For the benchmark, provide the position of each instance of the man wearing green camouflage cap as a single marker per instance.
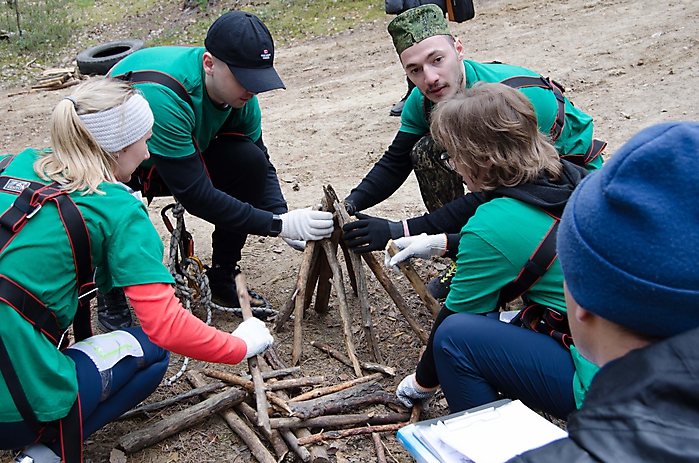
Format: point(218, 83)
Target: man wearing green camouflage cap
point(434, 61)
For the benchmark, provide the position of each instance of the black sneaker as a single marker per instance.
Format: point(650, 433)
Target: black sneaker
point(224, 292)
point(113, 312)
point(439, 286)
point(397, 109)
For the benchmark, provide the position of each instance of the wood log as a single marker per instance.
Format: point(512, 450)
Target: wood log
point(341, 401)
point(349, 262)
point(274, 437)
point(342, 300)
point(253, 362)
point(250, 386)
point(378, 445)
point(320, 437)
point(394, 294)
point(415, 281)
point(312, 394)
point(141, 438)
point(146, 409)
point(300, 299)
point(238, 425)
point(333, 421)
point(307, 411)
point(390, 371)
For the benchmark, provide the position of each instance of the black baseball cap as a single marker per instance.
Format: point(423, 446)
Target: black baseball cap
point(244, 43)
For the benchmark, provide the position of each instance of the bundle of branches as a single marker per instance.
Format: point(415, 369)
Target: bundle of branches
point(57, 78)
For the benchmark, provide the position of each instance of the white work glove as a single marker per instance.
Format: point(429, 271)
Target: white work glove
point(299, 245)
point(409, 390)
point(256, 336)
point(423, 246)
point(307, 224)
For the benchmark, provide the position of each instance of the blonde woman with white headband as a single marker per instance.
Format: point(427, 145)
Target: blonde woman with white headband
point(52, 397)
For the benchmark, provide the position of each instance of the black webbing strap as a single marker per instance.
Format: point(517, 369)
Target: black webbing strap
point(29, 201)
point(148, 178)
point(542, 319)
point(517, 82)
point(69, 429)
point(594, 150)
point(18, 395)
point(534, 269)
point(5, 161)
point(157, 77)
point(30, 308)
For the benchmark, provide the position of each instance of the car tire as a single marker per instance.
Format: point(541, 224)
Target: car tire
point(99, 59)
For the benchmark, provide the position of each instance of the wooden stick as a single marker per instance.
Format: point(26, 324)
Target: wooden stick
point(320, 437)
point(293, 442)
point(141, 438)
point(238, 425)
point(330, 421)
point(300, 299)
point(270, 386)
point(344, 359)
point(323, 291)
point(415, 413)
point(253, 365)
point(272, 357)
point(285, 311)
point(416, 281)
point(393, 292)
point(274, 437)
point(146, 409)
point(274, 373)
point(250, 386)
point(319, 454)
point(378, 445)
point(342, 300)
point(361, 290)
point(313, 274)
point(337, 387)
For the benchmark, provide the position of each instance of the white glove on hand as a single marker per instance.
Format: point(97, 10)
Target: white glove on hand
point(423, 246)
point(409, 390)
point(307, 224)
point(256, 336)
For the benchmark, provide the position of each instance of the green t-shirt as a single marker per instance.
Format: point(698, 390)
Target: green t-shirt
point(127, 251)
point(577, 133)
point(494, 246)
point(175, 122)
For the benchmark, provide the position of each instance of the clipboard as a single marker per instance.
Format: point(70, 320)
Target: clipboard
point(458, 437)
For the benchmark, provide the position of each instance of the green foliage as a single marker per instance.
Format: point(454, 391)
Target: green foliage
point(36, 27)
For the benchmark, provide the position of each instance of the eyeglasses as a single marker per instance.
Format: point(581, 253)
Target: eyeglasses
point(449, 163)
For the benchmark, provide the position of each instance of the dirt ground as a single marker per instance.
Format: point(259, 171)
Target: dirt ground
point(629, 64)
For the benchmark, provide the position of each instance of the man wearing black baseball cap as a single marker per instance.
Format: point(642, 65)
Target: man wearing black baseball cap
point(207, 149)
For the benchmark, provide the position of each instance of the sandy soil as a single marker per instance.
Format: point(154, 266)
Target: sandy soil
point(629, 64)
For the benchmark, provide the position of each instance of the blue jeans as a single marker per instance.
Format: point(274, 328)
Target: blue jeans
point(131, 384)
point(477, 357)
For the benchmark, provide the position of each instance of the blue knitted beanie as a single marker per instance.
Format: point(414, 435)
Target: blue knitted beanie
point(628, 241)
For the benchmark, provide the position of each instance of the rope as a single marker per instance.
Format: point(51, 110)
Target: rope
point(191, 283)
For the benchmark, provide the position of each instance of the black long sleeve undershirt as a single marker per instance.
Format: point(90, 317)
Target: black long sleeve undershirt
point(188, 182)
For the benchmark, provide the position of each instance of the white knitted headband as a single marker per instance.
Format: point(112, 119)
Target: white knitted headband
point(121, 126)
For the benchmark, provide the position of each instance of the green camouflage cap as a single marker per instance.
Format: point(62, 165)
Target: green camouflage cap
point(417, 24)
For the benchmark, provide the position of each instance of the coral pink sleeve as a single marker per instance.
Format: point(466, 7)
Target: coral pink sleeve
point(171, 327)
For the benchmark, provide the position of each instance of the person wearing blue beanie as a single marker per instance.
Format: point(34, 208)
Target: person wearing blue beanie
point(633, 230)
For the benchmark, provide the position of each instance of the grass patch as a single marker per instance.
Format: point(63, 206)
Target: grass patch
point(51, 28)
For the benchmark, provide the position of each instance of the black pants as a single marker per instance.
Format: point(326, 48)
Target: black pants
point(235, 166)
